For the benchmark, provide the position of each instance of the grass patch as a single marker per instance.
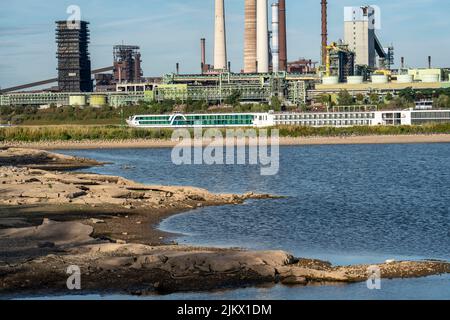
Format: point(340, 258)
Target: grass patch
point(110, 133)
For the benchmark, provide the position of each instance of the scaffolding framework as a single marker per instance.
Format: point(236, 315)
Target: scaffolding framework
point(74, 64)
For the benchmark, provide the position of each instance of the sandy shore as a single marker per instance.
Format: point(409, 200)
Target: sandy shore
point(284, 141)
point(106, 226)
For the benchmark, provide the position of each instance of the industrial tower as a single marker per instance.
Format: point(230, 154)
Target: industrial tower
point(74, 64)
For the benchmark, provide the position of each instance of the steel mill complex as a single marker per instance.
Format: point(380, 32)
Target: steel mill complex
point(358, 64)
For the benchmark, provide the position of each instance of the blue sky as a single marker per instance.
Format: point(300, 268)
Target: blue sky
point(168, 31)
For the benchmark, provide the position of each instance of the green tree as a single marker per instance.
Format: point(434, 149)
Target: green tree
point(374, 98)
point(408, 94)
point(276, 104)
point(360, 98)
point(324, 99)
point(234, 98)
point(442, 102)
point(344, 98)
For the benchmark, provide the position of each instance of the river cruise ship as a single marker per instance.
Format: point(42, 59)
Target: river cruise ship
point(309, 119)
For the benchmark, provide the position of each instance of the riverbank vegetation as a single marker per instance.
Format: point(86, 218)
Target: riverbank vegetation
point(113, 133)
point(107, 115)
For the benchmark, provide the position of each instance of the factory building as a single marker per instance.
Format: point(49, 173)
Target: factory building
point(74, 64)
point(252, 88)
point(429, 75)
point(303, 66)
point(212, 88)
point(359, 34)
point(126, 69)
point(340, 62)
point(127, 64)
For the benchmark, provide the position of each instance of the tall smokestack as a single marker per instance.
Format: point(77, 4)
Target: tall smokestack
point(220, 42)
point(429, 62)
point(324, 31)
point(275, 40)
point(250, 37)
point(203, 54)
point(282, 34)
point(262, 36)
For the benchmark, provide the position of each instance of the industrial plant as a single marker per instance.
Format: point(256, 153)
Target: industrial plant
point(358, 63)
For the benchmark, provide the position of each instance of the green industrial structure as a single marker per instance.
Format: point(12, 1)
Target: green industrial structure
point(291, 89)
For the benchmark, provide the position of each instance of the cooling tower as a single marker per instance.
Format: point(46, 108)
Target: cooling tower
point(220, 44)
point(262, 44)
point(250, 37)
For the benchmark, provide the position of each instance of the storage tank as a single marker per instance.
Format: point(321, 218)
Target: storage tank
point(330, 80)
point(429, 78)
point(355, 79)
point(77, 101)
point(404, 78)
point(97, 101)
point(379, 78)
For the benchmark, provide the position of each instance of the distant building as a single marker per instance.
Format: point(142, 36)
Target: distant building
point(340, 61)
point(127, 64)
point(428, 75)
point(126, 69)
point(360, 36)
point(302, 66)
point(74, 64)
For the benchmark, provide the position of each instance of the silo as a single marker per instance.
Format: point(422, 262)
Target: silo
point(330, 80)
point(262, 36)
point(355, 79)
point(97, 100)
point(379, 79)
point(77, 101)
point(430, 78)
point(404, 78)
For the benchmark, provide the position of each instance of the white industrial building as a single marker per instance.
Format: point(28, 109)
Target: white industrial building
point(359, 34)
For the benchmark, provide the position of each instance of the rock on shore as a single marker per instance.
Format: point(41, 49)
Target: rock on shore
point(141, 269)
point(39, 159)
point(24, 186)
point(52, 220)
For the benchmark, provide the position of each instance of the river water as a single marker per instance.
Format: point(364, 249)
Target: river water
point(345, 204)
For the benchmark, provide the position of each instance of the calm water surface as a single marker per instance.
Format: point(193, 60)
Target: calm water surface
point(345, 204)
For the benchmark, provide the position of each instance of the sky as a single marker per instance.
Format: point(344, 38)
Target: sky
point(169, 31)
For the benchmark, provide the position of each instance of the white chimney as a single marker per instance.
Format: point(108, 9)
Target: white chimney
point(220, 44)
point(275, 39)
point(262, 36)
